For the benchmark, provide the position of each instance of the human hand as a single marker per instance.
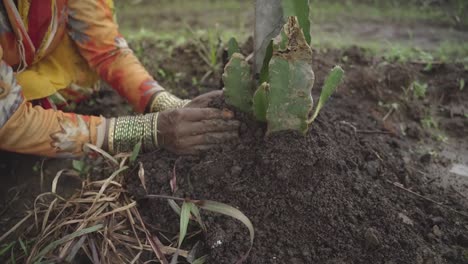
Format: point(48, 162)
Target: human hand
point(204, 100)
point(189, 131)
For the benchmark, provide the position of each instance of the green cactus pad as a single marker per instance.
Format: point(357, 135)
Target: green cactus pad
point(260, 102)
point(238, 83)
point(233, 47)
point(289, 99)
point(291, 79)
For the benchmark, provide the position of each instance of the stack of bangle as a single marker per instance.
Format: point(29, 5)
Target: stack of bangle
point(125, 132)
point(165, 100)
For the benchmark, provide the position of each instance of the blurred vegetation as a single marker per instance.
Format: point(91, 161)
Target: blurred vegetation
point(335, 24)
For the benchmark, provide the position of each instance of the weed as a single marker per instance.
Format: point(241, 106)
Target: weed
point(461, 84)
point(419, 89)
point(428, 122)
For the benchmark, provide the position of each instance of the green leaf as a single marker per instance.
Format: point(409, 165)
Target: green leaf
point(200, 260)
point(233, 47)
point(78, 165)
point(260, 102)
point(5, 248)
point(238, 83)
point(300, 9)
point(174, 206)
point(266, 62)
point(196, 213)
point(234, 213)
point(331, 83)
point(135, 152)
point(23, 246)
point(66, 238)
point(184, 220)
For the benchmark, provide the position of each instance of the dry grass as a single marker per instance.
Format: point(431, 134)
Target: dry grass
point(100, 221)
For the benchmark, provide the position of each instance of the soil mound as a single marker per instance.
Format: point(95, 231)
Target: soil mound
point(327, 197)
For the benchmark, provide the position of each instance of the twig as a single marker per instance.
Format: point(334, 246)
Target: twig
point(364, 131)
point(400, 186)
point(390, 112)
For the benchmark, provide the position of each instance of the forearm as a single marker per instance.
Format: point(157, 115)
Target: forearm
point(34, 130)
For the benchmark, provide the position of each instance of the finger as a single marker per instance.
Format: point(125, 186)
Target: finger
point(198, 114)
point(207, 139)
point(213, 94)
point(208, 126)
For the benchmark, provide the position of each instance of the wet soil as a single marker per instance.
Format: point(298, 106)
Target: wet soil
point(347, 192)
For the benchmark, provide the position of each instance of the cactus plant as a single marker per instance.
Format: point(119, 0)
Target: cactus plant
point(283, 99)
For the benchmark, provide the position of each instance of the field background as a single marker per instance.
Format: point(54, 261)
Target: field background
point(395, 29)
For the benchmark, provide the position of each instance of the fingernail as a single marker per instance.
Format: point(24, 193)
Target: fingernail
point(228, 114)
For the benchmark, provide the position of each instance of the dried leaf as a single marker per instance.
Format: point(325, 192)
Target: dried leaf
point(141, 175)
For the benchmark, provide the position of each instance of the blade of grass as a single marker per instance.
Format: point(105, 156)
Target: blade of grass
point(196, 213)
point(6, 248)
point(156, 248)
point(135, 152)
point(75, 248)
point(184, 220)
point(66, 238)
point(23, 246)
point(200, 260)
point(174, 206)
point(103, 153)
point(13, 229)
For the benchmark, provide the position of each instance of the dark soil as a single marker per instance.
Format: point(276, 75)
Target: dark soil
point(335, 195)
point(328, 197)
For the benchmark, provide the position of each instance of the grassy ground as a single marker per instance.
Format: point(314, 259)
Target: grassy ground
point(397, 30)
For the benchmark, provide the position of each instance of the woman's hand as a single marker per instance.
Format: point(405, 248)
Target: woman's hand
point(192, 130)
point(203, 101)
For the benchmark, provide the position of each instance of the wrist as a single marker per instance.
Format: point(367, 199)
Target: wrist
point(123, 133)
point(165, 101)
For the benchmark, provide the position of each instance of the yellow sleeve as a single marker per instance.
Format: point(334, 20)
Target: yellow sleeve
point(92, 27)
point(34, 130)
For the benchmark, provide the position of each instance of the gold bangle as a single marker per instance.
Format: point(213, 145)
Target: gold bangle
point(129, 130)
point(110, 136)
point(165, 100)
point(155, 130)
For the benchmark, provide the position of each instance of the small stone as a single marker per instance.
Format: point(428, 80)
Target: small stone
point(405, 219)
point(236, 171)
point(436, 231)
point(372, 238)
point(437, 220)
point(372, 168)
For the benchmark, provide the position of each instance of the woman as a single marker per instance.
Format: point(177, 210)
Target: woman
point(54, 51)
